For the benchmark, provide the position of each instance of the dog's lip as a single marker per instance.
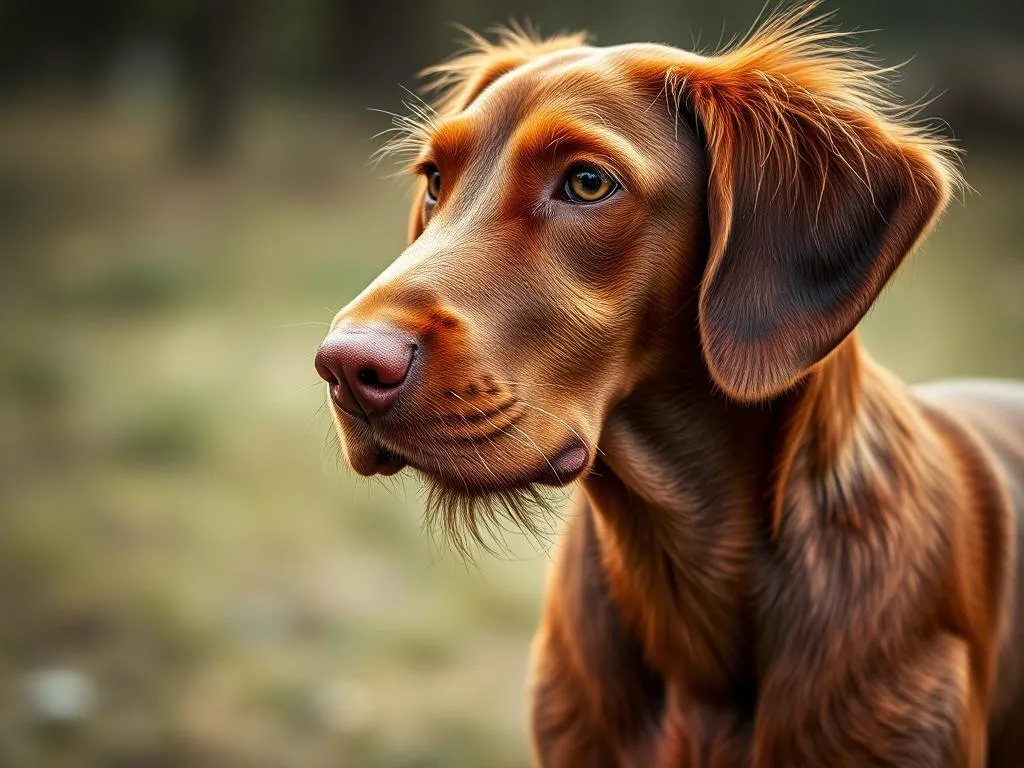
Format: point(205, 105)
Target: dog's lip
point(375, 460)
point(377, 452)
point(564, 467)
point(389, 463)
point(368, 457)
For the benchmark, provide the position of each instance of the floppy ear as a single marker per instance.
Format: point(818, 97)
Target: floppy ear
point(816, 194)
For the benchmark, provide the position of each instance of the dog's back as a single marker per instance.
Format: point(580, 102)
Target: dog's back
point(994, 410)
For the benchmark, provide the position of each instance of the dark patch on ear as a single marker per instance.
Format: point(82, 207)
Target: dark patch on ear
point(799, 267)
point(827, 261)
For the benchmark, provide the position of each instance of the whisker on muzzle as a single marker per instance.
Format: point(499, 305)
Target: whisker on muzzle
point(475, 518)
point(517, 429)
point(541, 452)
point(561, 421)
point(532, 384)
point(484, 414)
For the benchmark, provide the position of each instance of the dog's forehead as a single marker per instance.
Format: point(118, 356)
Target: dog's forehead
point(582, 77)
point(602, 98)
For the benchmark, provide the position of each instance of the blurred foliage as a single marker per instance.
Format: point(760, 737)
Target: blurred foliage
point(216, 55)
point(176, 530)
point(187, 577)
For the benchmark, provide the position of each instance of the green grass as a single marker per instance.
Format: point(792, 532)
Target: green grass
point(175, 524)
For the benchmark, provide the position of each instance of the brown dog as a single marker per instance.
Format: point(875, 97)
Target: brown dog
point(640, 268)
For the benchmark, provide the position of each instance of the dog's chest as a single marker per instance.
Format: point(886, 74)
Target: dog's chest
point(702, 734)
point(690, 616)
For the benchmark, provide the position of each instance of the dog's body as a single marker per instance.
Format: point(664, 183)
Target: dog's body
point(642, 268)
point(729, 646)
point(994, 411)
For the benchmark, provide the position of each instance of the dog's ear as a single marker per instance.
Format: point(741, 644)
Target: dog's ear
point(817, 191)
point(457, 82)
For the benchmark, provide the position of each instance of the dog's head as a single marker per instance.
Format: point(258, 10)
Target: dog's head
point(582, 211)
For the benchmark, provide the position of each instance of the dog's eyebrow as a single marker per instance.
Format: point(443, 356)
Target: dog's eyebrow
point(448, 143)
point(585, 134)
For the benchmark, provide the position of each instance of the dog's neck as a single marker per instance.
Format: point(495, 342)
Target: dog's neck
point(688, 493)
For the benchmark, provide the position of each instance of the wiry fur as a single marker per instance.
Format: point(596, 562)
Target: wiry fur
point(451, 84)
point(789, 80)
point(457, 81)
point(807, 96)
point(468, 521)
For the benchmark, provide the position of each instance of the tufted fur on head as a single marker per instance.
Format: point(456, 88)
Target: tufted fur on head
point(820, 183)
point(455, 83)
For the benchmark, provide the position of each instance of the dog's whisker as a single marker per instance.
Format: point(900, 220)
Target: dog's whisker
point(479, 455)
point(301, 323)
point(534, 384)
point(465, 513)
point(524, 525)
point(476, 516)
point(319, 410)
point(296, 391)
point(330, 442)
point(562, 421)
point(543, 456)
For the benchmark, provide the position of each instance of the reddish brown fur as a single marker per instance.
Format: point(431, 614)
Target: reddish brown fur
point(780, 555)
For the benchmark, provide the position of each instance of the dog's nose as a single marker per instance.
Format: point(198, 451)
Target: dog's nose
point(365, 366)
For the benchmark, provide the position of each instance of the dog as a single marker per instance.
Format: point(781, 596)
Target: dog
point(639, 270)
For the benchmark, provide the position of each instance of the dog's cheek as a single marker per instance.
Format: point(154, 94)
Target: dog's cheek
point(596, 248)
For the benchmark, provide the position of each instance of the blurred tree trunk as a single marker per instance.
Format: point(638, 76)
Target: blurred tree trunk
point(214, 46)
point(380, 46)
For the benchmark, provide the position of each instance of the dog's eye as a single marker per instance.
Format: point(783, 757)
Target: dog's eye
point(433, 184)
point(588, 184)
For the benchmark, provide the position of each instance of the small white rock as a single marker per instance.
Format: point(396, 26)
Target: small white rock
point(60, 695)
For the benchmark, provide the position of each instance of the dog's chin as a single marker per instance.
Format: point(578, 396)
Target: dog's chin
point(472, 474)
point(480, 520)
point(470, 515)
point(470, 504)
point(476, 479)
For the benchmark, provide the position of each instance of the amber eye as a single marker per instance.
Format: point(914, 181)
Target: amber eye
point(433, 184)
point(588, 184)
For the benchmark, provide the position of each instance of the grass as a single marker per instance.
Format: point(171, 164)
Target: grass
point(176, 527)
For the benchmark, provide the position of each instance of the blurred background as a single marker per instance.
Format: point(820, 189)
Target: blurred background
point(187, 575)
